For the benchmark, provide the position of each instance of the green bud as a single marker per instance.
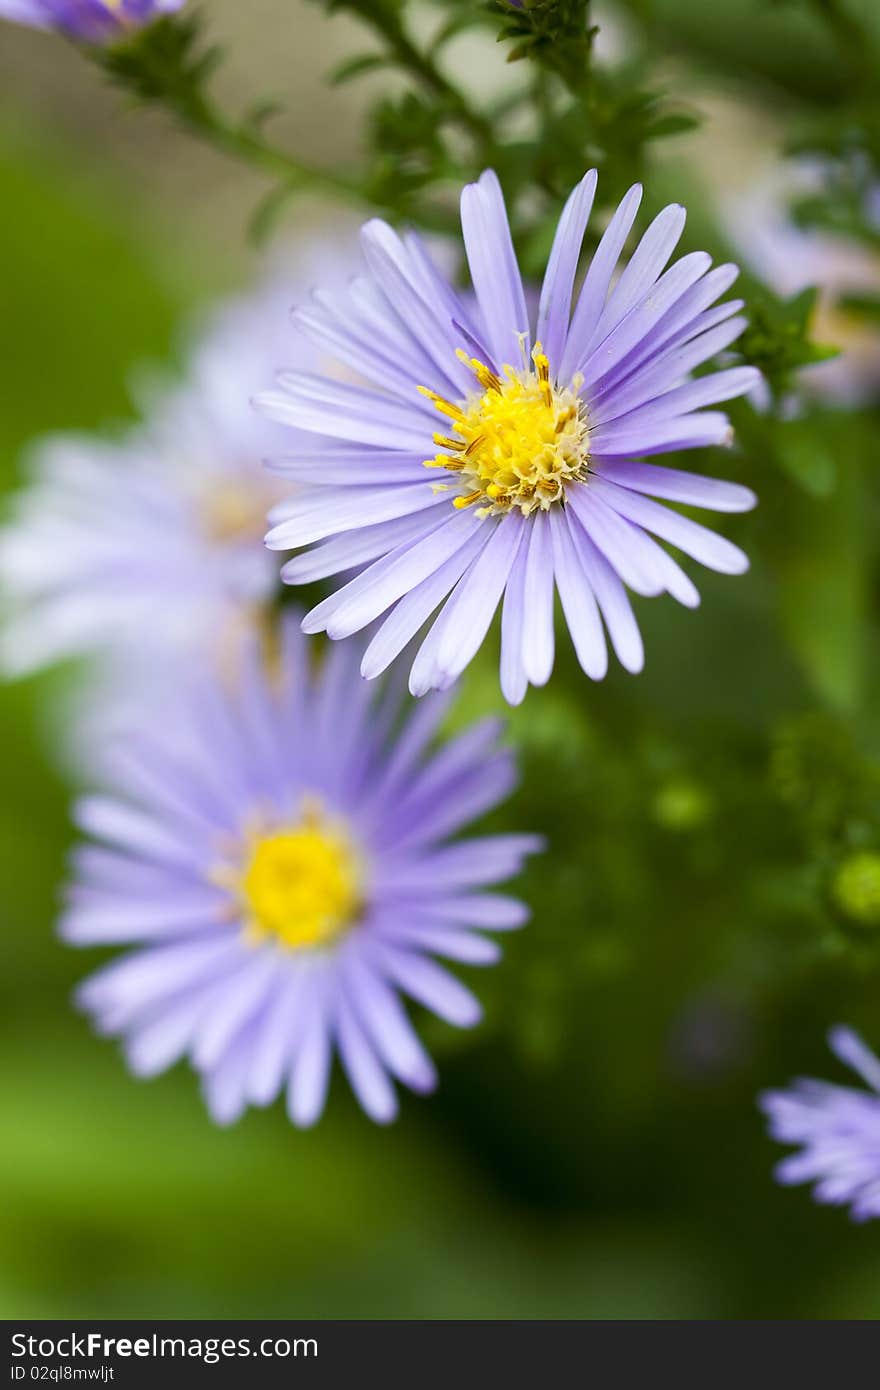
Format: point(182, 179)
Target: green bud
point(856, 888)
point(681, 805)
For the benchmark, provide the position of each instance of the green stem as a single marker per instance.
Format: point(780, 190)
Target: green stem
point(422, 67)
point(182, 92)
point(289, 171)
point(166, 67)
point(205, 120)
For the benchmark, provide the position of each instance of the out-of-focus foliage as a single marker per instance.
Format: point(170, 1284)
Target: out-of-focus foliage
point(711, 898)
point(431, 130)
point(778, 341)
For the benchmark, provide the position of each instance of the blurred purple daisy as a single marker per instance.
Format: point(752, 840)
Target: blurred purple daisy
point(838, 1128)
point(790, 258)
point(282, 858)
point(532, 482)
point(154, 542)
point(92, 21)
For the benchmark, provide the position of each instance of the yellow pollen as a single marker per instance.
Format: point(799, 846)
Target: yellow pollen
point(519, 443)
point(301, 885)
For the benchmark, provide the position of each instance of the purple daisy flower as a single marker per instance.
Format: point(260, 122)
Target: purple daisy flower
point(838, 1128)
point(532, 484)
point(283, 861)
point(154, 542)
point(92, 21)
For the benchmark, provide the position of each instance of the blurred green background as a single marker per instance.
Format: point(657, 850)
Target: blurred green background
point(595, 1149)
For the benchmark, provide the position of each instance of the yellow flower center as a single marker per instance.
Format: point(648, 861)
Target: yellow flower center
point(301, 885)
point(518, 443)
point(232, 512)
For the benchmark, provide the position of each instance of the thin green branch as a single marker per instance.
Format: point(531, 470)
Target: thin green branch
point(385, 21)
point(162, 66)
point(246, 144)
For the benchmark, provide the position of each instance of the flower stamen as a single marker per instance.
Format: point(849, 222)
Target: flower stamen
point(485, 376)
point(300, 884)
point(443, 405)
point(518, 443)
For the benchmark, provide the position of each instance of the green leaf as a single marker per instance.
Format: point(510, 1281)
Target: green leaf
point(674, 123)
point(258, 115)
point(357, 67)
point(264, 217)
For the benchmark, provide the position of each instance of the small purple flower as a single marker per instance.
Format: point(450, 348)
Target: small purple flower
point(280, 855)
point(530, 442)
point(91, 21)
point(838, 1128)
